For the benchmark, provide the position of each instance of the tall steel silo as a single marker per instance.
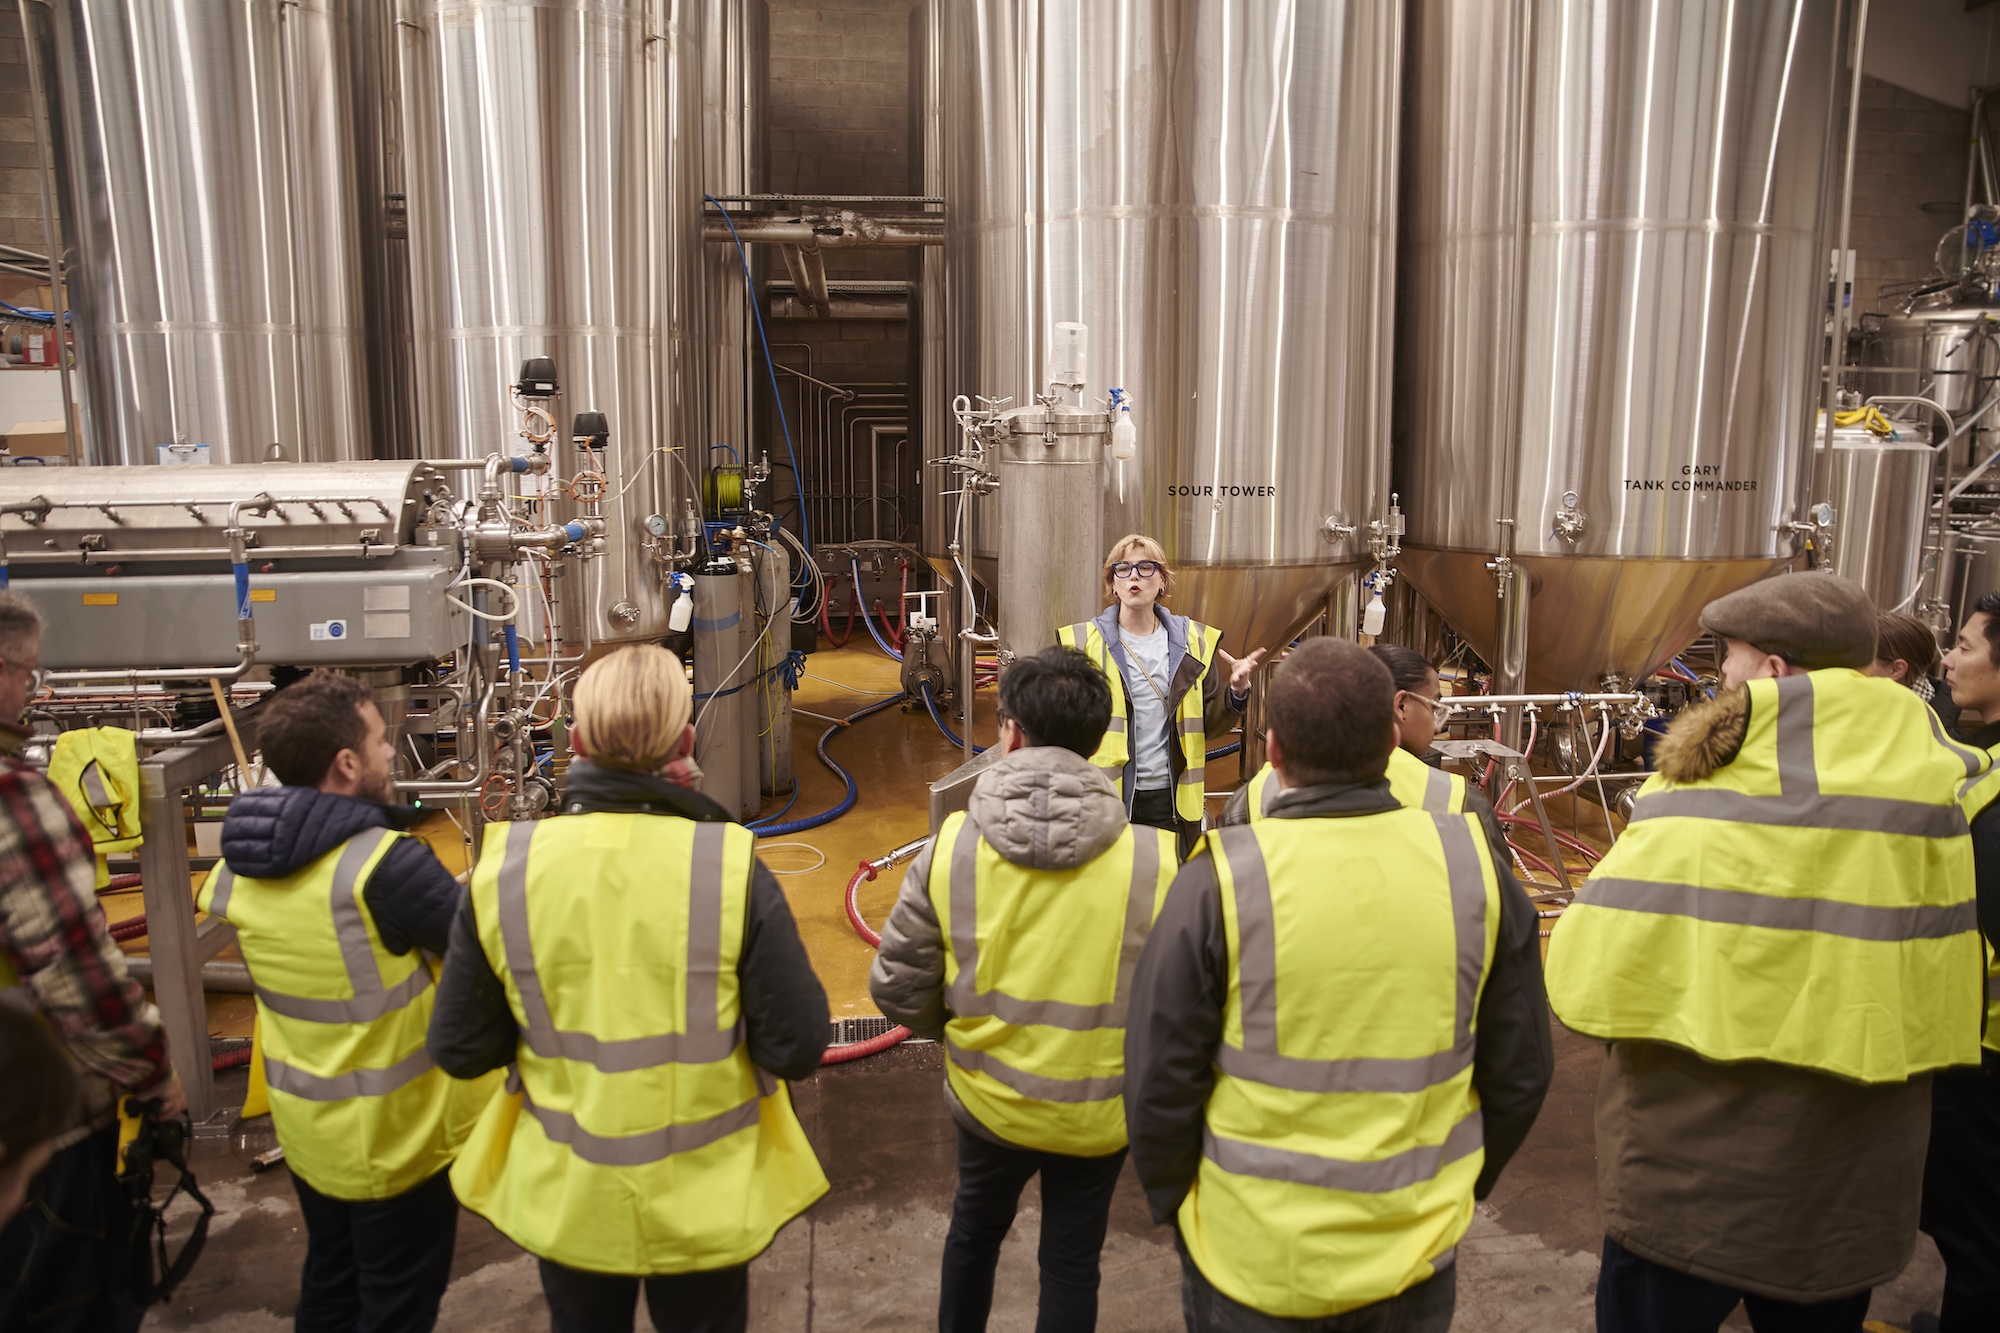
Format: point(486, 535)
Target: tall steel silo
point(555, 210)
point(1210, 187)
point(210, 193)
point(1613, 286)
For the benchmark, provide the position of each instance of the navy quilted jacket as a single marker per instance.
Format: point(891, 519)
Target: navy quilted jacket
point(272, 831)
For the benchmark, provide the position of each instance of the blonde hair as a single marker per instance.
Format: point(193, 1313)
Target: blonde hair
point(1147, 549)
point(631, 708)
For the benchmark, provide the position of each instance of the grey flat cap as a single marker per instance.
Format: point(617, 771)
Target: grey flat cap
point(1814, 620)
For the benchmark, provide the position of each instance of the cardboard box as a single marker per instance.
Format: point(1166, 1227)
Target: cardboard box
point(38, 439)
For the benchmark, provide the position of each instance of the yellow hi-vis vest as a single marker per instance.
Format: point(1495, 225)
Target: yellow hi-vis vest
point(1115, 751)
point(1810, 903)
point(360, 1109)
point(639, 1138)
point(1977, 794)
point(1343, 1134)
point(97, 771)
point(1038, 970)
point(1414, 784)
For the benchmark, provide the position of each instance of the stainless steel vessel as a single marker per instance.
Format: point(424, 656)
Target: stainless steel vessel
point(208, 179)
point(1610, 312)
point(1051, 463)
point(555, 210)
point(736, 56)
point(1880, 491)
point(1949, 353)
point(1210, 187)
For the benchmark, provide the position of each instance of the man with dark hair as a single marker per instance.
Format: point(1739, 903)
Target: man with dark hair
point(1014, 940)
point(1338, 1033)
point(1961, 1203)
point(64, 1264)
point(341, 918)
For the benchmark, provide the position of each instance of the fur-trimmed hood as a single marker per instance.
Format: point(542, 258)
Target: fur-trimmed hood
point(1704, 737)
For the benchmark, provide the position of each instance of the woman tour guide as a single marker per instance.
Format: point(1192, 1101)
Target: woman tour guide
point(1168, 677)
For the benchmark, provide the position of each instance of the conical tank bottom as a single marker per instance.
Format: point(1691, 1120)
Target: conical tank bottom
point(1255, 606)
point(1587, 618)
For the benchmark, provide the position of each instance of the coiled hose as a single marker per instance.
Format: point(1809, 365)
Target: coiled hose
point(853, 791)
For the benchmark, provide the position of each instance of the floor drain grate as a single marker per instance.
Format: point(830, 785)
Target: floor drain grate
point(847, 1031)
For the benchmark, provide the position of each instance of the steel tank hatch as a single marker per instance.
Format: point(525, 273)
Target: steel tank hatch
point(1210, 188)
point(1610, 312)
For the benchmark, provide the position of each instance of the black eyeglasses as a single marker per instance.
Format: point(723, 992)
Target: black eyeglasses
point(1125, 569)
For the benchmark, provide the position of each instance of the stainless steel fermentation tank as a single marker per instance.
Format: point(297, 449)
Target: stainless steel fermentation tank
point(736, 62)
point(1947, 352)
point(217, 206)
point(1880, 491)
point(1611, 313)
point(555, 210)
point(1210, 187)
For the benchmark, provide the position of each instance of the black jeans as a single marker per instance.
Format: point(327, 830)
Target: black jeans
point(1424, 1308)
point(717, 1301)
point(1076, 1208)
point(1155, 809)
point(1636, 1295)
point(377, 1266)
point(64, 1262)
point(1962, 1192)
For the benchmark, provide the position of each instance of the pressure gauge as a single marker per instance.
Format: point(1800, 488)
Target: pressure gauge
point(656, 525)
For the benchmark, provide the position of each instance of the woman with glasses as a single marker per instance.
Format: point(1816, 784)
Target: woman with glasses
point(1415, 779)
point(1169, 677)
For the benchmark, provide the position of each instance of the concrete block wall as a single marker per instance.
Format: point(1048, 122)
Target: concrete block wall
point(1909, 186)
point(20, 179)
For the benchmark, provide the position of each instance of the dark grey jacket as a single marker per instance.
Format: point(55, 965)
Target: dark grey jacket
point(784, 1008)
point(1182, 984)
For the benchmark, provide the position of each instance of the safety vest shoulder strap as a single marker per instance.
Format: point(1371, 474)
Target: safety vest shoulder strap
point(1776, 777)
point(705, 1038)
point(955, 859)
point(1259, 1059)
point(371, 996)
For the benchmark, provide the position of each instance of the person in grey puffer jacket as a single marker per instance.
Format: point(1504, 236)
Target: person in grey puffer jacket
point(1047, 895)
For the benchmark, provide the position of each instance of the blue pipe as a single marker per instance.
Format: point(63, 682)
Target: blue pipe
point(930, 702)
point(242, 590)
point(853, 792)
point(757, 825)
point(770, 366)
point(868, 616)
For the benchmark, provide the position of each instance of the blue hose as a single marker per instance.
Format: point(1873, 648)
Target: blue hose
point(868, 616)
point(930, 702)
point(853, 792)
point(770, 366)
point(513, 638)
point(242, 590)
point(1225, 751)
point(757, 824)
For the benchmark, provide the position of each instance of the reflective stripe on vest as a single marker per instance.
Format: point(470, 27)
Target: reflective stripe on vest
point(360, 1109)
point(1974, 796)
point(617, 937)
point(1343, 1136)
point(1809, 903)
point(1106, 909)
point(1188, 726)
point(703, 1043)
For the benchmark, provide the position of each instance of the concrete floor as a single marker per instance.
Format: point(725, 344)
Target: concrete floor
point(866, 1257)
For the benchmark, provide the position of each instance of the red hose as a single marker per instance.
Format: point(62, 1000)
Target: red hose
point(131, 928)
point(1531, 858)
point(230, 1059)
point(826, 622)
point(1574, 844)
point(120, 883)
point(840, 1055)
point(903, 605)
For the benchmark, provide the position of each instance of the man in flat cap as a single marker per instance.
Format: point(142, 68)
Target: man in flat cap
point(1781, 950)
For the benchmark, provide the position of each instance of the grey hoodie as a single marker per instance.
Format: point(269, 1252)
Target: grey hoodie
point(1044, 808)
